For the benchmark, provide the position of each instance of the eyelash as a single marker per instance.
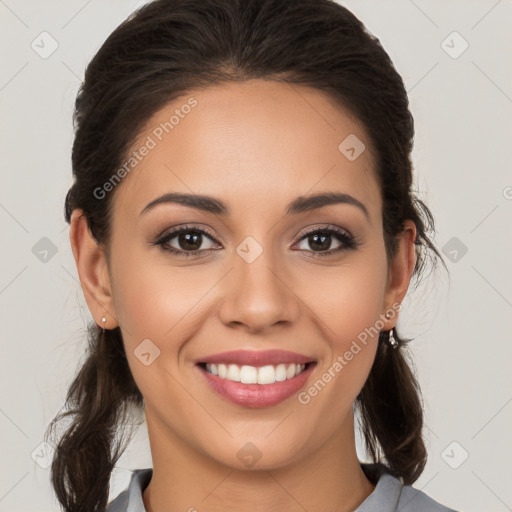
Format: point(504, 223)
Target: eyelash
point(348, 241)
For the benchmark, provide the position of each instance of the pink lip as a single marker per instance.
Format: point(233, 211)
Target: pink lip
point(257, 395)
point(256, 358)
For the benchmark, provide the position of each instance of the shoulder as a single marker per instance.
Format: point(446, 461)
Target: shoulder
point(414, 500)
point(390, 495)
point(131, 498)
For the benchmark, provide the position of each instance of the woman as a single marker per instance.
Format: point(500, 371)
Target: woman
point(245, 233)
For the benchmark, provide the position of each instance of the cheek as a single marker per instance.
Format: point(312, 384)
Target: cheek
point(348, 298)
point(154, 299)
point(347, 303)
point(158, 302)
point(354, 303)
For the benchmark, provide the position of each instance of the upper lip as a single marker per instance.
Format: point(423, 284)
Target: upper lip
point(256, 358)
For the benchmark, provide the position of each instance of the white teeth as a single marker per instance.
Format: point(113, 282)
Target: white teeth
point(281, 373)
point(248, 375)
point(233, 373)
point(266, 374)
point(255, 375)
point(221, 368)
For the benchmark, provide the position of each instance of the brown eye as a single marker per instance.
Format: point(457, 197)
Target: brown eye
point(186, 241)
point(320, 241)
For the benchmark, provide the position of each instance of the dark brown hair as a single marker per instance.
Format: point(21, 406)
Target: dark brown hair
point(162, 51)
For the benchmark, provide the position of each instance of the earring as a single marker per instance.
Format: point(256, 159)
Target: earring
point(103, 321)
point(392, 339)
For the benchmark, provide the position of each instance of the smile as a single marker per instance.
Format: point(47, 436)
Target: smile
point(256, 387)
point(264, 375)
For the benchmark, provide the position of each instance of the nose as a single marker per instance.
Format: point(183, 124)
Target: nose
point(257, 296)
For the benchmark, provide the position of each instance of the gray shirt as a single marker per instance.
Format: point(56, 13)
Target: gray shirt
point(389, 494)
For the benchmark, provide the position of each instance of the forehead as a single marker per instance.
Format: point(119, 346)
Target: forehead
point(251, 143)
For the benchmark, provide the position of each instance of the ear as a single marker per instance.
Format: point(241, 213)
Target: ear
point(401, 269)
point(92, 267)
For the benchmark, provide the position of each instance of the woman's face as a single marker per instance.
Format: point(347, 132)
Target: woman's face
point(256, 282)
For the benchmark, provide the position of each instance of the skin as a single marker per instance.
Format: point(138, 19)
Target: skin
point(256, 145)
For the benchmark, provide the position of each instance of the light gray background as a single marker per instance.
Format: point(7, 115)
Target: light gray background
point(462, 108)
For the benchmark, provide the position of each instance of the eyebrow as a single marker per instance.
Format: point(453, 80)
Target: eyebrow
point(214, 205)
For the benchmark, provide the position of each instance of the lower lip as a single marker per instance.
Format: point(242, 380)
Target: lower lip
point(257, 395)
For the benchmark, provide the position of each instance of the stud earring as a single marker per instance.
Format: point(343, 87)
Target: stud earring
point(103, 321)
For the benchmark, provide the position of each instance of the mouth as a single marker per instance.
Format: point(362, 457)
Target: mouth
point(263, 375)
point(256, 386)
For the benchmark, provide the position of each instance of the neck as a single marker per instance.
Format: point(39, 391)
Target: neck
point(328, 479)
